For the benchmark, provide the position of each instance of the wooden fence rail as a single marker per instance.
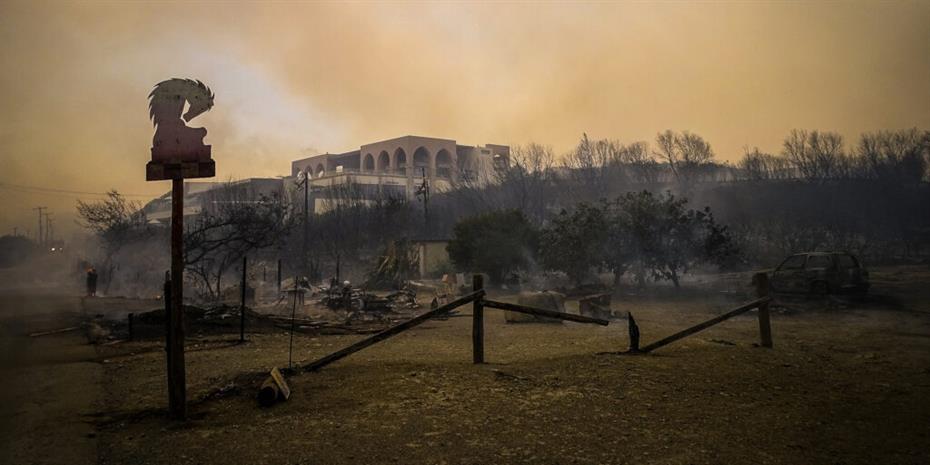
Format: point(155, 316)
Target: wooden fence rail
point(544, 313)
point(476, 297)
point(392, 331)
point(268, 395)
point(762, 302)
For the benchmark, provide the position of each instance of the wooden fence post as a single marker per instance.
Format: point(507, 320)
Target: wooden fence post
point(167, 298)
point(634, 333)
point(477, 322)
point(761, 281)
point(130, 326)
point(242, 302)
point(290, 344)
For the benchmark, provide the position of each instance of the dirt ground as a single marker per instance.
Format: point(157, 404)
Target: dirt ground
point(51, 386)
point(847, 383)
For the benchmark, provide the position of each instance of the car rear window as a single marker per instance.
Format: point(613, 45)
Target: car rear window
point(819, 261)
point(847, 261)
point(794, 262)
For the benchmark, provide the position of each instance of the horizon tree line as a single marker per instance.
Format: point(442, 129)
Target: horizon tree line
point(812, 194)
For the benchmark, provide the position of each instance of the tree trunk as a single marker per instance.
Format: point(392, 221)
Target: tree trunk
point(109, 276)
point(219, 293)
point(641, 275)
point(618, 273)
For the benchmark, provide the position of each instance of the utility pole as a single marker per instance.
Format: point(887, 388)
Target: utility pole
point(306, 220)
point(303, 180)
point(423, 194)
point(49, 237)
point(39, 235)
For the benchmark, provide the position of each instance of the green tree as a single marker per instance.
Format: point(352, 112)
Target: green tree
point(575, 242)
point(666, 238)
point(621, 251)
point(495, 243)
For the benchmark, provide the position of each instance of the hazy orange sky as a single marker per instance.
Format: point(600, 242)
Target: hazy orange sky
point(294, 78)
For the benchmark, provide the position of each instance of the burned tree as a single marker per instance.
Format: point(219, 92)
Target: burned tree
point(118, 223)
point(816, 156)
point(233, 223)
point(339, 229)
point(759, 166)
point(526, 183)
point(894, 156)
point(594, 166)
point(639, 163)
point(688, 155)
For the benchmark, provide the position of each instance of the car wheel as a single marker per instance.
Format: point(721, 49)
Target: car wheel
point(820, 288)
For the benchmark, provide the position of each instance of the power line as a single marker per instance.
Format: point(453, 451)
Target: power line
point(48, 190)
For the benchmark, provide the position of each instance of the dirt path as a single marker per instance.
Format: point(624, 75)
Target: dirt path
point(51, 386)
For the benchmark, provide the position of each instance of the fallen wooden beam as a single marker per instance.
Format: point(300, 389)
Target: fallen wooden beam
point(54, 331)
point(392, 331)
point(299, 321)
point(543, 312)
point(707, 324)
point(274, 388)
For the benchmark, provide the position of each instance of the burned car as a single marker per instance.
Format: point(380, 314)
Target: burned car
point(820, 273)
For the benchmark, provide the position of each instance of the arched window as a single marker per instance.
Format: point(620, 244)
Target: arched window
point(400, 161)
point(384, 161)
point(444, 165)
point(420, 161)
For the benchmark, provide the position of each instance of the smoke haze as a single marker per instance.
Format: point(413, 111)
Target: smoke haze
point(292, 79)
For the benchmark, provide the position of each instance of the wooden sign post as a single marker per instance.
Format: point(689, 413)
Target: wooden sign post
point(178, 152)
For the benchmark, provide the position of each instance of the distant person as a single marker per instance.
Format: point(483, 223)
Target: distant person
point(347, 295)
point(301, 287)
point(91, 282)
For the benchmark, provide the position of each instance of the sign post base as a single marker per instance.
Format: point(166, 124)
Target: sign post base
point(159, 171)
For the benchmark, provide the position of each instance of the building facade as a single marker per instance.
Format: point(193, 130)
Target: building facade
point(395, 168)
point(204, 197)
